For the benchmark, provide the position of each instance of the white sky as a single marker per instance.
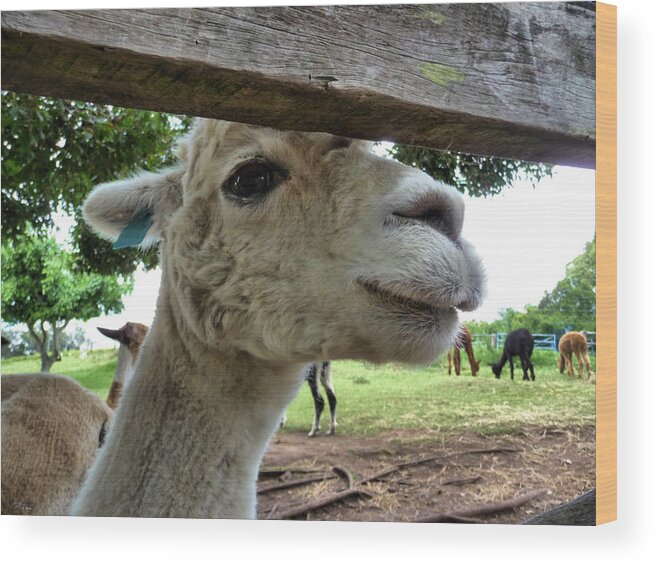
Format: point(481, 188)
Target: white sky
point(525, 235)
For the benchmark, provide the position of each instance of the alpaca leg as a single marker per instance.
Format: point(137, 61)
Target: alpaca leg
point(580, 364)
point(570, 367)
point(512, 368)
point(448, 356)
point(472, 360)
point(586, 360)
point(327, 383)
point(456, 360)
point(525, 363)
point(283, 421)
point(318, 403)
point(561, 363)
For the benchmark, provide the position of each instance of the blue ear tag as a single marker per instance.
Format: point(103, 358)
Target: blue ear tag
point(135, 231)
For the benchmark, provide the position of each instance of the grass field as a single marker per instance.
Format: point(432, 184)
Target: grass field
point(373, 398)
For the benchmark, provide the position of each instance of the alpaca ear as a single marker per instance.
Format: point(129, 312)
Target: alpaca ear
point(148, 199)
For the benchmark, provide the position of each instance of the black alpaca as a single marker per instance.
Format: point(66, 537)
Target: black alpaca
point(518, 342)
point(322, 371)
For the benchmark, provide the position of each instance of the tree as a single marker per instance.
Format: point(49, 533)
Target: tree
point(43, 288)
point(572, 304)
point(54, 151)
point(574, 300)
point(475, 175)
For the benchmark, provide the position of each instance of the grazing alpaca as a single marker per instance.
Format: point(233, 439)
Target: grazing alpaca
point(277, 248)
point(518, 342)
point(577, 344)
point(322, 372)
point(51, 430)
point(131, 335)
point(463, 340)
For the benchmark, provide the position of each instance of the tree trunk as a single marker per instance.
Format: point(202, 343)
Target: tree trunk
point(47, 362)
point(44, 342)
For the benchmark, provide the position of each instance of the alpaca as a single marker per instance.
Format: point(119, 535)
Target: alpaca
point(130, 336)
point(277, 249)
point(518, 342)
point(51, 430)
point(574, 343)
point(323, 372)
point(463, 340)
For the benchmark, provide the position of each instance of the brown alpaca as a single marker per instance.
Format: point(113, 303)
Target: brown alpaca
point(574, 343)
point(464, 341)
point(130, 336)
point(52, 428)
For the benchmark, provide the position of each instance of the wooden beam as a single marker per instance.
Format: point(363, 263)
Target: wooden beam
point(510, 80)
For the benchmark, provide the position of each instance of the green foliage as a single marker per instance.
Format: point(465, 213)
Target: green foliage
point(474, 175)
point(43, 288)
point(40, 283)
point(574, 300)
point(54, 151)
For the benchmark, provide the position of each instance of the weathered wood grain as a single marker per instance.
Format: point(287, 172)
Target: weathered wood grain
point(582, 511)
point(511, 80)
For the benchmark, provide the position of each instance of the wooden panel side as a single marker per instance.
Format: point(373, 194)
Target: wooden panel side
point(606, 185)
point(513, 80)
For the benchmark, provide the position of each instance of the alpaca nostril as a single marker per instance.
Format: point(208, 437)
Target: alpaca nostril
point(436, 216)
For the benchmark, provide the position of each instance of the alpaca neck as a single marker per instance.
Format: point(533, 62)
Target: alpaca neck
point(124, 369)
point(124, 365)
point(190, 432)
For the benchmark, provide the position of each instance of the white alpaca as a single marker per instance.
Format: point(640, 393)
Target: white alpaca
point(51, 430)
point(277, 248)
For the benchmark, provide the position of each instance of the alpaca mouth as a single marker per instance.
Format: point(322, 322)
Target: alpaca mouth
point(397, 300)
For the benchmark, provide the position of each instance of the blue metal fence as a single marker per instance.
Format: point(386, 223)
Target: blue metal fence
point(540, 341)
point(548, 342)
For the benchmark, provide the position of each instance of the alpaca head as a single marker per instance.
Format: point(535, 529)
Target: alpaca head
point(131, 335)
point(496, 369)
point(298, 246)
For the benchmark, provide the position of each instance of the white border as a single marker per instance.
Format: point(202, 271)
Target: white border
point(99, 541)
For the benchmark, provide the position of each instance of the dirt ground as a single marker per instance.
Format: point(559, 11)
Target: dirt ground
point(445, 474)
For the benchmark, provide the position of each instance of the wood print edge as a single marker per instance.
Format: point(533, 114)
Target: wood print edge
point(606, 230)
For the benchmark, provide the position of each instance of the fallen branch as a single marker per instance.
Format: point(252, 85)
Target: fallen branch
point(463, 481)
point(492, 508)
point(435, 458)
point(453, 519)
point(292, 484)
point(398, 467)
point(490, 450)
point(325, 501)
point(270, 513)
point(274, 473)
point(344, 474)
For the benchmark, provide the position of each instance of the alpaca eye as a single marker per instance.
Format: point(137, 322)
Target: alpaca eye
point(253, 180)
